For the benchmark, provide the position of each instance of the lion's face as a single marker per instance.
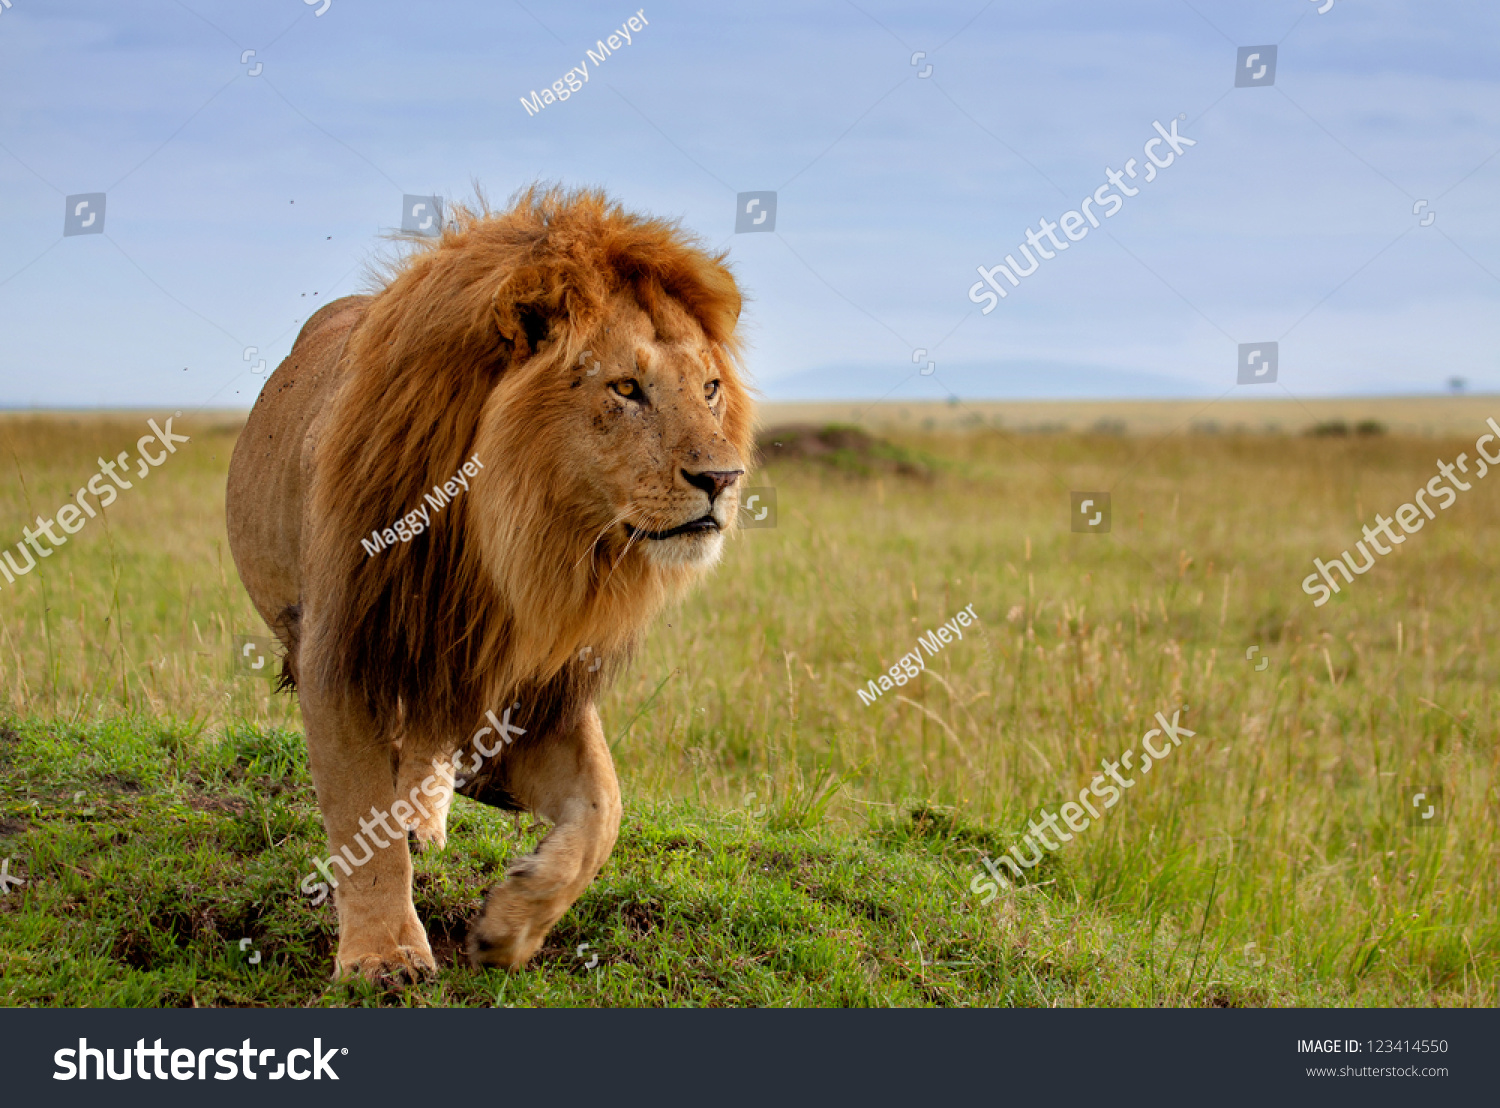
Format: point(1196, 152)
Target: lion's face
point(649, 406)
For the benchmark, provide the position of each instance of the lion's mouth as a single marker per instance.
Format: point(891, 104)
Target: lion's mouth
point(703, 524)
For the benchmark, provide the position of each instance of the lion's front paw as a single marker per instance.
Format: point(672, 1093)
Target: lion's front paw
point(400, 965)
point(509, 930)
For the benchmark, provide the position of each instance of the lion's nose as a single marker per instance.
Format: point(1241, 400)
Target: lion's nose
point(713, 481)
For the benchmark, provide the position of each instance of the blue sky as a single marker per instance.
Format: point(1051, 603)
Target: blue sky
point(238, 203)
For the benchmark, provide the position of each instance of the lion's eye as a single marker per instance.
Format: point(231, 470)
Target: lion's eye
point(711, 391)
point(629, 388)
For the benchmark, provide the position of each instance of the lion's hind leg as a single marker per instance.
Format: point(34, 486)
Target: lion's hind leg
point(424, 795)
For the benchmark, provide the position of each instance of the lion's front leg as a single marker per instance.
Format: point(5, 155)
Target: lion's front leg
point(569, 780)
point(379, 932)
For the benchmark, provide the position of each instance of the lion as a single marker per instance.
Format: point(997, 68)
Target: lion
point(580, 367)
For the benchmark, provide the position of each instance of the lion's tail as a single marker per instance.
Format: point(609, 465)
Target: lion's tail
point(289, 631)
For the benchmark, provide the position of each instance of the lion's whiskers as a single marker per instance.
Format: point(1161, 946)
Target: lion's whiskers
point(653, 521)
point(589, 550)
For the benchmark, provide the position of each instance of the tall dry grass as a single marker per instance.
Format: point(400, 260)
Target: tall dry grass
point(1281, 823)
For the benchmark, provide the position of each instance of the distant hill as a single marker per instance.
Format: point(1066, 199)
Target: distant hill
point(1013, 380)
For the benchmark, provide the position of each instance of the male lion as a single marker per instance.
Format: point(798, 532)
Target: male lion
point(584, 362)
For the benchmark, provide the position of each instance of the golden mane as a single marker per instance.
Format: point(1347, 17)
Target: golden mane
point(466, 350)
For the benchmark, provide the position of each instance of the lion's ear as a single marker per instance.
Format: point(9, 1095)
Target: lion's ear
point(536, 325)
point(522, 316)
point(522, 328)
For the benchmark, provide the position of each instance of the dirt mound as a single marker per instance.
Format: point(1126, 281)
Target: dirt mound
point(849, 449)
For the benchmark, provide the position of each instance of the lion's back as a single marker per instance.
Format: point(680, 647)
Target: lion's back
point(268, 474)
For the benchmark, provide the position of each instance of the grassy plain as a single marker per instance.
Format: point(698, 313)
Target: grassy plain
point(786, 843)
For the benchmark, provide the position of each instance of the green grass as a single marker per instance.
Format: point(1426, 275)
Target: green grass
point(1281, 824)
point(152, 850)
